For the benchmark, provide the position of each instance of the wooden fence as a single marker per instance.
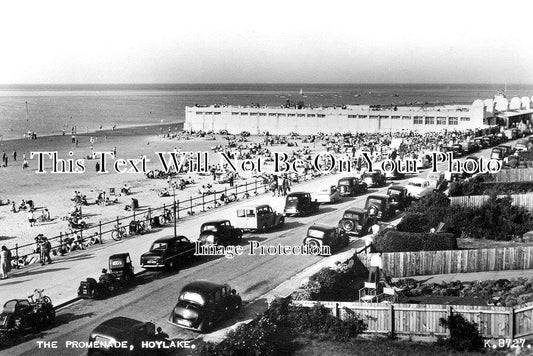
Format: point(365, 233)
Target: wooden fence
point(420, 263)
point(524, 200)
point(423, 319)
point(514, 175)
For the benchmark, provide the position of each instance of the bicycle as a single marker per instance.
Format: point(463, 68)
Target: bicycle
point(119, 232)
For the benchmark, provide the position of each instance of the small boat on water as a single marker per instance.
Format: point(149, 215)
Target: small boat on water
point(301, 91)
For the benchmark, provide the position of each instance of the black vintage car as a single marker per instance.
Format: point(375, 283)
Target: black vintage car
point(21, 315)
point(168, 252)
point(379, 206)
point(374, 179)
point(356, 221)
point(351, 186)
point(201, 305)
point(220, 232)
point(324, 237)
point(300, 204)
point(457, 150)
point(118, 277)
point(114, 333)
point(399, 198)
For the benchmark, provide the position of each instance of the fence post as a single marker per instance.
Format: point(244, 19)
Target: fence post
point(17, 254)
point(177, 210)
point(391, 320)
point(61, 243)
point(203, 202)
point(337, 311)
point(133, 215)
point(511, 324)
point(215, 199)
point(255, 182)
point(190, 203)
point(81, 235)
point(448, 314)
point(100, 231)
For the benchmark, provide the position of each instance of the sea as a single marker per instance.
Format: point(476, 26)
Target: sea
point(52, 109)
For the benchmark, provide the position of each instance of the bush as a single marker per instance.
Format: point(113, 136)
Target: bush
point(314, 321)
point(414, 222)
point(398, 241)
point(336, 284)
point(483, 188)
point(464, 335)
point(261, 337)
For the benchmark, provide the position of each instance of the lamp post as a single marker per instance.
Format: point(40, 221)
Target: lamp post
point(174, 208)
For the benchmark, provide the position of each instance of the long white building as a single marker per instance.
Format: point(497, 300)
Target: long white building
point(354, 118)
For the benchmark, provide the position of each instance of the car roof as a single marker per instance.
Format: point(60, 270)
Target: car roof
point(297, 194)
point(381, 196)
point(417, 180)
point(347, 178)
point(116, 326)
point(255, 206)
point(201, 287)
point(120, 255)
point(355, 210)
point(398, 187)
point(215, 221)
point(322, 227)
point(169, 238)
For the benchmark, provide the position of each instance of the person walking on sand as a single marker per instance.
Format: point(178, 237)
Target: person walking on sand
point(14, 155)
point(5, 262)
point(31, 218)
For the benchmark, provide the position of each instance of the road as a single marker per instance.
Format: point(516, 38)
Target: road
point(156, 293)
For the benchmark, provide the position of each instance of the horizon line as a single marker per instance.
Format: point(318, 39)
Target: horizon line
point(268, 83)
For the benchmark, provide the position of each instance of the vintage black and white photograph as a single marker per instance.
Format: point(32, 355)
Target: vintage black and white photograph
point(266, 178)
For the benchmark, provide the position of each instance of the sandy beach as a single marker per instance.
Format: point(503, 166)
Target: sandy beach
point(54, 191)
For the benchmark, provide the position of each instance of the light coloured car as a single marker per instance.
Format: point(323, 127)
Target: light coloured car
point(258, 218)
point(328, 194)
point(418, 187)
point(435, 179)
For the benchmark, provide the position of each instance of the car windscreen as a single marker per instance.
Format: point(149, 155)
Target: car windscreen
point(374, 201)
point(345, 182)
point(315, 233)
point(192, 297)
point(210, 227)
point(116, 263)
point(394, 192)
point(415, 184)
point(159, 246)
point(352, 216)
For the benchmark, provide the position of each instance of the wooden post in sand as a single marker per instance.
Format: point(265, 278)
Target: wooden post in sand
point(100, 231)
point(17, 254)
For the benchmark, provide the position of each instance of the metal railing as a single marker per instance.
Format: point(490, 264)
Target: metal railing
point(186, 207)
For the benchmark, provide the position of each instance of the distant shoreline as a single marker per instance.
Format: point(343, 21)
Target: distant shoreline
point(123, 130)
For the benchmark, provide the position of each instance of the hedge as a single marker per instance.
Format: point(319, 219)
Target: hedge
point(398, 241)
point(474, 187)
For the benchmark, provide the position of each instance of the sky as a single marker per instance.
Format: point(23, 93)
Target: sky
point(200, 41)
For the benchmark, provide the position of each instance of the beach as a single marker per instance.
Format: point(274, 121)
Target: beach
point(54, 191)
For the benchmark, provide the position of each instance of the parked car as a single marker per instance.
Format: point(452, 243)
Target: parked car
point(301, 204)
point(220, 232)
point(322, 236)
point(201, 305)
point(259, 217)
point(119, 276)
point(498, 153)
point(379, 206)
point(329, 194)
point(399, 197)
point(516, 133)
point(121, 329)
point(481, 143)
point(435, 179)
point(356, 221)
point(469, 147)
point(21, 315)
point(521, 146)
point(508, 150)
point(418, 187)
point(374, 179)
point(351, 186)
point(457, 150)
point(168, 252)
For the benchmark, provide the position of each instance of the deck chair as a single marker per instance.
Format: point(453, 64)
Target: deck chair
point(389, 295)
point(369, 293)
point(112, 192)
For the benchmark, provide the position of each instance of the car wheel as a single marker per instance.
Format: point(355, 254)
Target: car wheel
point(281, 221)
